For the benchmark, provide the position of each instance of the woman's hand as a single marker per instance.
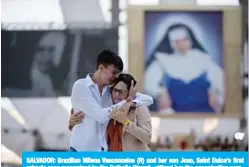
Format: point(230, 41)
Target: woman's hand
point(132, 92)
point(126, 107)
point(75, 118)
point(120, 115)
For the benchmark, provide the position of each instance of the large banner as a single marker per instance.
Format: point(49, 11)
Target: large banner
point(190, 55)
point(184, 61)
point(46, 63)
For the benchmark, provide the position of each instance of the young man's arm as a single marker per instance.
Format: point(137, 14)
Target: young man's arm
point(143, 99)
point(138, 98)
point(83, 100)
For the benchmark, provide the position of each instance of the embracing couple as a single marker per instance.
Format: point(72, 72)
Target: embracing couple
point(108, 114)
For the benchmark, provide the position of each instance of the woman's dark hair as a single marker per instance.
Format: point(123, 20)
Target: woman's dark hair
point(126, 78)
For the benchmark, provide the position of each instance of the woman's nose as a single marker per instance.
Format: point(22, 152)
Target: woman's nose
point(116, 94)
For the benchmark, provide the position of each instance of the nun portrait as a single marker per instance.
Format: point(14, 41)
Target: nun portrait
point(47, 56)
point(181, 76)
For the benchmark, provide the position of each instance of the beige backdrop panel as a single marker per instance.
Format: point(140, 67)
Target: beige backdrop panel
point(231, 48)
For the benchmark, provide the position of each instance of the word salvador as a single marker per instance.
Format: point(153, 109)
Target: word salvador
point(77, 160)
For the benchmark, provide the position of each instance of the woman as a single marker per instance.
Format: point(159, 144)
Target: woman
point(187, 79)
point(132, 135)
point(47, 56)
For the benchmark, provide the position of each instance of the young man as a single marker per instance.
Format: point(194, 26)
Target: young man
point(92, 96)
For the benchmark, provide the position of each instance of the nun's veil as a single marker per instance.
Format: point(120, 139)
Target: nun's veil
point(165, 46)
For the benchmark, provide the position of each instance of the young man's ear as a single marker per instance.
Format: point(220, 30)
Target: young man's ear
point(101, 67)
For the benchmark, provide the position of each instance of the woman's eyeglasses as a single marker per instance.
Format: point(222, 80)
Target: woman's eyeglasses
point(119, 91)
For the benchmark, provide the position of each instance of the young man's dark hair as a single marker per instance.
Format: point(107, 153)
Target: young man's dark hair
point(108, 57)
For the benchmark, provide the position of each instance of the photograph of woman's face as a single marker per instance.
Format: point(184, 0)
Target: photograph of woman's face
point(180, 40)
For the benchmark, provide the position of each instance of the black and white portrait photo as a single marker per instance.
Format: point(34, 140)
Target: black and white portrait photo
point(46, 63)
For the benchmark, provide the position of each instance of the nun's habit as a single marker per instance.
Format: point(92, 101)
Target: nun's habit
point(188, 78)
